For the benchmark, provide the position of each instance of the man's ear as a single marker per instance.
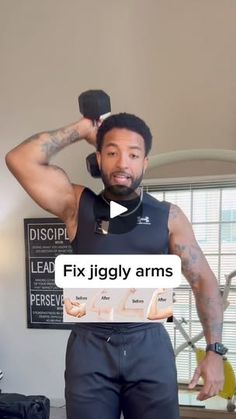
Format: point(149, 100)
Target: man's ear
point(98, 155)
point(145, 165)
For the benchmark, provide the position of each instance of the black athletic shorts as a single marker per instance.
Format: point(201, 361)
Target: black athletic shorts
point(114, 369)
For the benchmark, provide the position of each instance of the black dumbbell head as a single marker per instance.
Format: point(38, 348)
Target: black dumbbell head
point(94, 103)
point(92, 165)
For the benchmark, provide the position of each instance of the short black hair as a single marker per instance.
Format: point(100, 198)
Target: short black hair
point(127, 121)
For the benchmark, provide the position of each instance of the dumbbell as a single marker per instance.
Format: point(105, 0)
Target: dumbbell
point(94, 104)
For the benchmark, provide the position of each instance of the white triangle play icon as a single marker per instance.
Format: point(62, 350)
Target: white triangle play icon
point(116, 209)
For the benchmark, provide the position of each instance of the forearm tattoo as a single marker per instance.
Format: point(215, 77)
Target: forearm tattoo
point(190, 256)
point(210, 312)
point(208, 297)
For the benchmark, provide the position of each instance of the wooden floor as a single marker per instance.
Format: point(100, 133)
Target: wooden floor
point(57, 413)
point(190, 408)
point(213, 408)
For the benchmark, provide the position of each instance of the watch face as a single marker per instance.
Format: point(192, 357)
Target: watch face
point(220, 348)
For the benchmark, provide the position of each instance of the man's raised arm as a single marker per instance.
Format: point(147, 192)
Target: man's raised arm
point(48, 184)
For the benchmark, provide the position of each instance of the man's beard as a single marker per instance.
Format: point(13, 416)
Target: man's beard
point(121, 190)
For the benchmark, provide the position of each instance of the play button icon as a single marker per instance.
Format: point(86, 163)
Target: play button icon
point(116, 209)
point(117, 216)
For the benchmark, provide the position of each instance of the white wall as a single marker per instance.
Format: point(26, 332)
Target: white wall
point(171, 62)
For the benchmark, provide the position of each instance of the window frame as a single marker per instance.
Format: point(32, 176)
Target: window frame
point(191, 183)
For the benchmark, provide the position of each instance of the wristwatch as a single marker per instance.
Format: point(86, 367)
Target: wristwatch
point(217, 347)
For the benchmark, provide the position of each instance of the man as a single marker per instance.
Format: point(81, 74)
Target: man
point(121, 366)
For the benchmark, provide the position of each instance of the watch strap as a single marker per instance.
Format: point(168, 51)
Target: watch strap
point(217, 347)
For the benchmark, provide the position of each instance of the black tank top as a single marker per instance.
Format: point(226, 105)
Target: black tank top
point(149, 236)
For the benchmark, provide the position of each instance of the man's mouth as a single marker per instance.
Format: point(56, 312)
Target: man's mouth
point(121, 178)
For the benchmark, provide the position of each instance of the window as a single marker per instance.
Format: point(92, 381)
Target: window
point(211, 208)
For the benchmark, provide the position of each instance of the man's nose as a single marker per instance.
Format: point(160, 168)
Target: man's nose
point(122, 161)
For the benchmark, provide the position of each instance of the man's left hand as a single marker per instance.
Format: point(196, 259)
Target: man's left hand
point(211, 369)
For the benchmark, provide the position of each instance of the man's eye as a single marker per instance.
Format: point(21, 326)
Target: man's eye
point(134, 156)
point(111, 153)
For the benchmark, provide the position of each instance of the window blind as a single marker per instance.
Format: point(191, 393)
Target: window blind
point(211, 208)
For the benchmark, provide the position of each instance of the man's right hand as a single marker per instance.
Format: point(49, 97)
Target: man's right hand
point(88, 129)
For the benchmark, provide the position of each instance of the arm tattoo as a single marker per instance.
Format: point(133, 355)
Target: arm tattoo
point(190, 256)
point(200, 277)
point(210, 312)
point(208, 298)
point(174, 212)
point(55, 140)
point(59, 139)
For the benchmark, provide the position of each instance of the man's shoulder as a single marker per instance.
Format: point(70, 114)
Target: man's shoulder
point(86, 197)
point(151, 200)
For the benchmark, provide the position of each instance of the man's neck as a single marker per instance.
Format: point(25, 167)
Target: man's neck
point(119, 197)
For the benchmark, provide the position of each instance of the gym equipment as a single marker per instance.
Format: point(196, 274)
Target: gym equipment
point(92, 165)
point(229, 389)
point(94, 104)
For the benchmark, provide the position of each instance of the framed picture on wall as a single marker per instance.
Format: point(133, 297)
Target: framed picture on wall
point(45, 238)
